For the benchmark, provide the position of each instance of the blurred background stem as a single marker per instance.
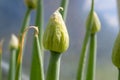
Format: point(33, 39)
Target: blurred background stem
point(118, 73)
point(12, 67)
point(1, 46)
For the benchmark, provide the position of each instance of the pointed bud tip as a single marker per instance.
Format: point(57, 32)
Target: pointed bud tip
point(14, 43)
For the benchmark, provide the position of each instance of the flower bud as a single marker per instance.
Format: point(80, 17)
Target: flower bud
point(14, 43)
point(96, 26)
point(56, 37)
point(116, 52)
point(32, 4)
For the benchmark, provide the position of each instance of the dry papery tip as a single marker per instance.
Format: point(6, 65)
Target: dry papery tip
point(33, 27)
point(60, 8)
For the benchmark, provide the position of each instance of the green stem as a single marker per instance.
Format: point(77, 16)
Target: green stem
point(54, 66)
point(18, 72)
point(118, 73)
point(83, 54)
point(92, 58)
point(64, 5)
point(25, 24)
point(39, 20)
point(37, 71)
point(12, 68)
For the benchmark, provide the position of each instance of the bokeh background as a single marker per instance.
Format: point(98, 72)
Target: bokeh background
point(11, 16)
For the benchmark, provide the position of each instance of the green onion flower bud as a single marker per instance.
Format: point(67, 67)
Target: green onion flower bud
point(14, 43)
point(116, 52)
point(96, 26)
point(56, 37)
point(32, 4)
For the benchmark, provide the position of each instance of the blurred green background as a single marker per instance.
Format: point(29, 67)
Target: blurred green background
point(11, 16)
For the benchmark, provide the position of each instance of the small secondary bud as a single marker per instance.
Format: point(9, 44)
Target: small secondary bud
point(14, 43)
point(32, 4)
point(96, 25)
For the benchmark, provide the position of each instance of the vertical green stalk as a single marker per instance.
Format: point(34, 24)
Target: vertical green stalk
point(83, 53)
point(37, 66)
point(39, 20)
point(25, 24)
point(64, 5)
point(54, 66)
point(12, 68)
point(92, 58)
point(37, 72)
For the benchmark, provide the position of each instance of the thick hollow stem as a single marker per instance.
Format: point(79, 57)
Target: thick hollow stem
point(54, 66)
point(92, 58)
point(37, 71)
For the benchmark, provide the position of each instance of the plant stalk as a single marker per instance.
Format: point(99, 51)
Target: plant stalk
point(37, 72)
point(83, 52)
point(118, 73)
point(54, 66)
point(12, 68)
point(25, 24)
point(37, 69)
point(92, 58)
